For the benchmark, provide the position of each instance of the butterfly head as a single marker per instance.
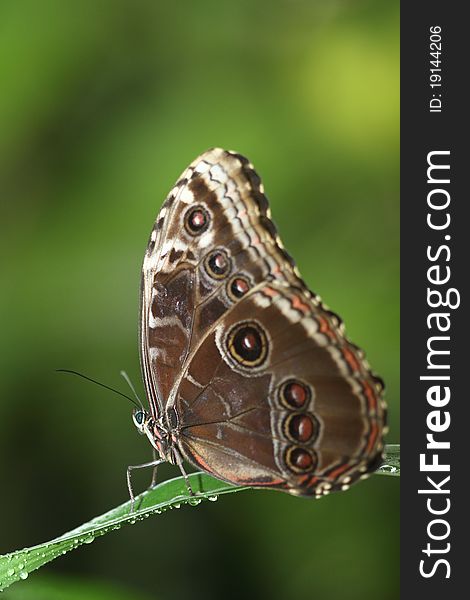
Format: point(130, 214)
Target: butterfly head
point(141, 419)
point(155, 430)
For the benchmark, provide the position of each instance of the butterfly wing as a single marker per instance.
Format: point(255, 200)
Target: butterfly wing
point(276, 395)
point(211, 242)
point(263, 385)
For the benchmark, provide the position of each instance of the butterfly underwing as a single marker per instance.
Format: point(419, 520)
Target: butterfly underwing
point(248, 375)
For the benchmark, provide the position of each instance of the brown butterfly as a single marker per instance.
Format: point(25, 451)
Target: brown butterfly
point(248, 375)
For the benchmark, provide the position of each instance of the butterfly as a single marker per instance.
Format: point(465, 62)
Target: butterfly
point(248, 375)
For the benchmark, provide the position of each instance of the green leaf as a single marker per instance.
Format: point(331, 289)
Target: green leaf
point(170, 494)
point(391, 462)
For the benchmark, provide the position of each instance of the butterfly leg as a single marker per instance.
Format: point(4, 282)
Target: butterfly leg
point(154, 472)
point(130, 468)
point(179, 462)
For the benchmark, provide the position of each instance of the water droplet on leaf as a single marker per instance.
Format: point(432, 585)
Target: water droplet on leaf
point(88, 539)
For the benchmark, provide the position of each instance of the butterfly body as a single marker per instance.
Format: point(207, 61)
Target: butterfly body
point(248, 375)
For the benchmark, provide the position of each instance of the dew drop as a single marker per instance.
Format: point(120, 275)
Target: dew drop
point(177, 505)
point(88, 539)
point(20, 566)
point(10, 572)
point(213, 498)
point(194, 501)
point(23, 574)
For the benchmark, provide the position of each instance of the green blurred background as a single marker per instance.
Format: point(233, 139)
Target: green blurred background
point(103, 103)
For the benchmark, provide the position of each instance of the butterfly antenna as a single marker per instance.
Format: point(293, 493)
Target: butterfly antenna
point(131, 385)
point(107, 387)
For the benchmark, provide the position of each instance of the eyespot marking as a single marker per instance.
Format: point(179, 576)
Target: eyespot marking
point(301, 427)
point(237, 287)
point(217, 264)
point(247, 344)
point(196, 220)
point(300, 460)
point(295, 394)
